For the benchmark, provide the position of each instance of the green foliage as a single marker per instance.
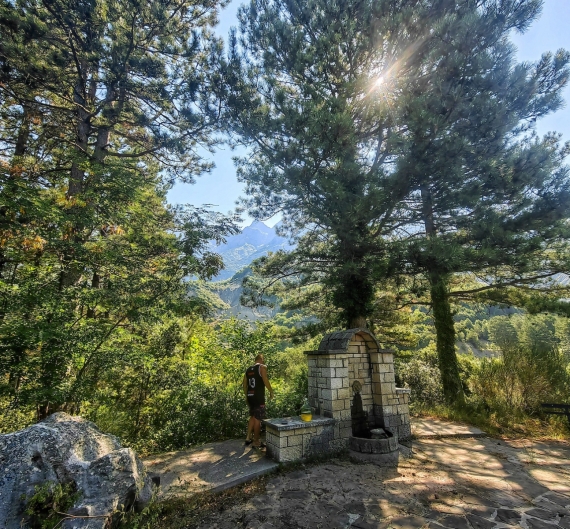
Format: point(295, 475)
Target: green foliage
point(533, 367)
point(148, 518)
point(509, 363)
point(183, 385)
point(323, 142)
point(46, 506)
point(102, 107)
point(14, 417)
point(292, 388)
point(420, 373)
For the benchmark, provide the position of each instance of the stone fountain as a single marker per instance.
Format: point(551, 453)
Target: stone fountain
point(353, 394)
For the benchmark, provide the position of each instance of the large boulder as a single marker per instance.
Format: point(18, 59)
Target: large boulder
point(66, 449)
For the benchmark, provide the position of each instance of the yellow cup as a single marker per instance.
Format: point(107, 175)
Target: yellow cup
point(306, 417)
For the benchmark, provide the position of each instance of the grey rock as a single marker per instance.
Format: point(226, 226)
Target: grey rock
point(534, 523)
point(65, 449)
point(479, 523)
point(355, 507)
point(369, 523)
point(407, 522)
point(560, 499)
point(294, 494)
point(543, 514)
point(454, 522)
point(543, 503)
point(508, 516)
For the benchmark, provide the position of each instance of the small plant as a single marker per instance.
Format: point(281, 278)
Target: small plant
point(146, 519)
point(47, 507)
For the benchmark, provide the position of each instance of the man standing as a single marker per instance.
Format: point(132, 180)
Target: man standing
point(255, 381)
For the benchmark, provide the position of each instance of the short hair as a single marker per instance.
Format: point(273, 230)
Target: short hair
point(259, 358)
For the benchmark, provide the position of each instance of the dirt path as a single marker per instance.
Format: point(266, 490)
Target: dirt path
point(460, 483)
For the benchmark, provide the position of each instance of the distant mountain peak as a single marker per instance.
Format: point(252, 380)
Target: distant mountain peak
point(258, 223)
point(254, 241)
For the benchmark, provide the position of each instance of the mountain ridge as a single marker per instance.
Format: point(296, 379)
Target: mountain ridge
point(254, 241)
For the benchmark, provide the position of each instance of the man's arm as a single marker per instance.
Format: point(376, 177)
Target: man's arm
point(263, 373)
point(244, 385)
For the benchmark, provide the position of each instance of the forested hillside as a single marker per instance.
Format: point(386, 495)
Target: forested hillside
point(102, 107)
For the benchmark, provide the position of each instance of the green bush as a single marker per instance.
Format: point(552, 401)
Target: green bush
point(196, 414)
point(532, 367)
point(193, 394)
point(422, 376)
point(13, 418)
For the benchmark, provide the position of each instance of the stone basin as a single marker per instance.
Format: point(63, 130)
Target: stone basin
point(375, 444)
point(381, 448)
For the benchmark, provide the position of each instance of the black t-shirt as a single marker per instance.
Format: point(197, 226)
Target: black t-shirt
point(255, 386)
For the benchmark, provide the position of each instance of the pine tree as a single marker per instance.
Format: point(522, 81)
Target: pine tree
point(487, 196)
point(400, 136)
point(104, 104)
point(322, 144)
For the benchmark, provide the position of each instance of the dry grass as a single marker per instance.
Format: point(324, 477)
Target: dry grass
point(498, 425)
point(179, 512)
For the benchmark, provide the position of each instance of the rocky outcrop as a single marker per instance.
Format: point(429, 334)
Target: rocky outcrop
point(66, 449)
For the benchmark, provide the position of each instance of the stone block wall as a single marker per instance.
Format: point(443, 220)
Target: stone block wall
point(402, 426)
point(292, 439)
point(332, 374)
point(360, 369)
point(329, 391)
point(391, 404)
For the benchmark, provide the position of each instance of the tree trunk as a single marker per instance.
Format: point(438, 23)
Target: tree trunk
point(442, 316)
point(19, 151)
point(83, 129)
point(23, 134)
point(70, 271)
point(95, 285)
point(358, 322)
point(445, 340)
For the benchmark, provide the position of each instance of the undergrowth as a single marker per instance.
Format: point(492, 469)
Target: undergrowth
point(182, 512)
point(45, 507)
point(513, 425)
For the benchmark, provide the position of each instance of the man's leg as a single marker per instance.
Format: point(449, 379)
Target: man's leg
point(250, 427)
point(256, 430)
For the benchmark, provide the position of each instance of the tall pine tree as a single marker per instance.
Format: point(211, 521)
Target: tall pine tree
point(486, 195)
point(322, 144)
point(104, 104)
point(399, 135)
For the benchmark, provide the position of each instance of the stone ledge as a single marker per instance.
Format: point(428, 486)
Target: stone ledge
point(403, 390)
point(334, 352)
point(295, 423)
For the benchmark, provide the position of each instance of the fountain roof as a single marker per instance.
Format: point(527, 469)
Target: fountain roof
point(341, 339)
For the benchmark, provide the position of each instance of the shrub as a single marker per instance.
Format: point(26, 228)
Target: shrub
point(532, 367)
point(423, 377)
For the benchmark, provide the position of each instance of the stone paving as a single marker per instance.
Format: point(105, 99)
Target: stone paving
point(452, 483)
point(213, 467)
point(426, 427)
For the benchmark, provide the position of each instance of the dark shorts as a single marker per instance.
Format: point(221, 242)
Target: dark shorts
point(257, 411)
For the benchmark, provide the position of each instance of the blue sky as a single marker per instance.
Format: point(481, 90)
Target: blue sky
point(221, 189)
